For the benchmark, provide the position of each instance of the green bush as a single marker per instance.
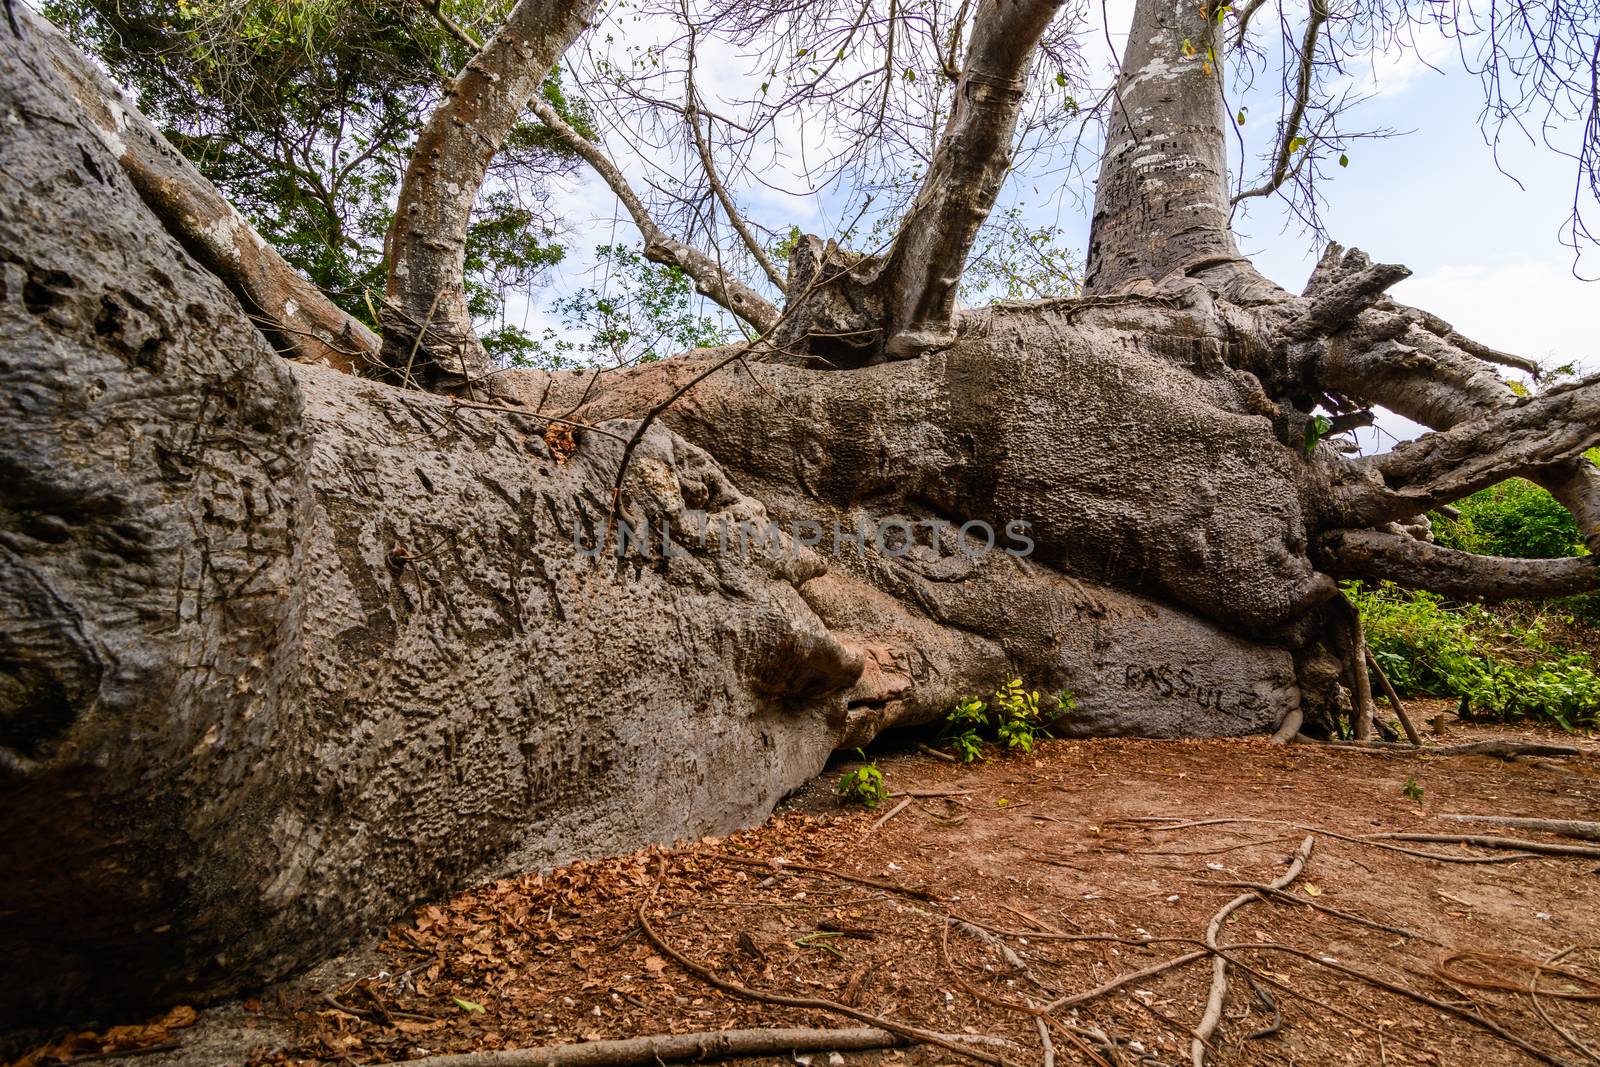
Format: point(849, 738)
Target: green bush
point(1014, 720)
point(1504, 669)
point(864, 784)
point(1514, 518)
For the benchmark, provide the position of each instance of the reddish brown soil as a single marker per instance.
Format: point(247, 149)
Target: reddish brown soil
point(1042, 844)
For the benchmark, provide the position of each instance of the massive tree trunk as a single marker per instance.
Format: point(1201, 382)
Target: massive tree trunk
point(285, 650)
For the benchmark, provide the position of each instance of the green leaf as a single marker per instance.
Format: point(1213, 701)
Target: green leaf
point(1344, 160)
point(1239, 118)
point(468, 1006)
point(1061, 78)
point(1295, 144)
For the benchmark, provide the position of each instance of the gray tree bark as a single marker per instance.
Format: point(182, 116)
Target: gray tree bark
point(427, 329)
point(283, 651)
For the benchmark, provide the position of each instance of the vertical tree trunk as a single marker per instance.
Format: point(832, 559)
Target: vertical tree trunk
point(427, 329)
point(971, 164)
point(1162, 198)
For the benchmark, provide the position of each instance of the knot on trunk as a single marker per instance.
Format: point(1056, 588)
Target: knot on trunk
point(834, 306)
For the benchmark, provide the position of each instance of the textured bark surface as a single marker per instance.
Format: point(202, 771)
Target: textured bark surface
point(427, 329)
point(1161, 203)
point(296, 316)
point(283, 651)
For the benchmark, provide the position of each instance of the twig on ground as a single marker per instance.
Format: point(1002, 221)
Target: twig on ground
point(928, 750)
point(1394, 700)
point(1207, 1026)
point(666, 1048)
point(896, 810)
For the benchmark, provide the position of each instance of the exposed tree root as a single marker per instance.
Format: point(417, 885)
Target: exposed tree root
point(815, 1003)
point(1371, 842)
point(1506, 750)
point(1207, 1027)
point(1578, 828)
point(1472, 1018)
point(1487, 841)
point(669, 1048)
point(1279, 895)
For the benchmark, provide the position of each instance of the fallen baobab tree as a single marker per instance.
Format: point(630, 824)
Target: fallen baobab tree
point(287, 648)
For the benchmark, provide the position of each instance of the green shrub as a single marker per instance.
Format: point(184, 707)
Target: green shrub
point(1014, 720)
point(1514, 518)
point(962, 726)
point(1020, 727)
point(864, 784)
point(1505, 669)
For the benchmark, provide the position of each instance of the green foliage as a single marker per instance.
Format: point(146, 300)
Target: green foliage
point(1411, 790)
point(962, 729)
point(1012, 719)
point(864, 784)
point(1505, 670)
point(1015, 261)
point(1019, 727)
point(1514, 518)
point(303, 112)
point(1317, 427)
point(639, 313)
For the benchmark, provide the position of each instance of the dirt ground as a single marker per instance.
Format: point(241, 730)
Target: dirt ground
point(1000, 888)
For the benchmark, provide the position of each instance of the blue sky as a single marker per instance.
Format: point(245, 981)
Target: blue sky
point(1484, 252)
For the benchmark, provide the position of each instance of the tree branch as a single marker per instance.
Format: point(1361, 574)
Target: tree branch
point(426, 246)
point(297, 317)
point(692, 114)
point(1415, 564)
point(924, 266)
point(1297, 110)
point(1512, 442)
point(660, 246)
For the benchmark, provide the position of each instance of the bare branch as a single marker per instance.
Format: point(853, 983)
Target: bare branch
point(691, 112)
point(1416, 564)
point(660, 246)
point(1290, 133)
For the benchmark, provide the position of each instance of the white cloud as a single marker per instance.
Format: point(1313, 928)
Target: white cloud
point(1534, 308)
